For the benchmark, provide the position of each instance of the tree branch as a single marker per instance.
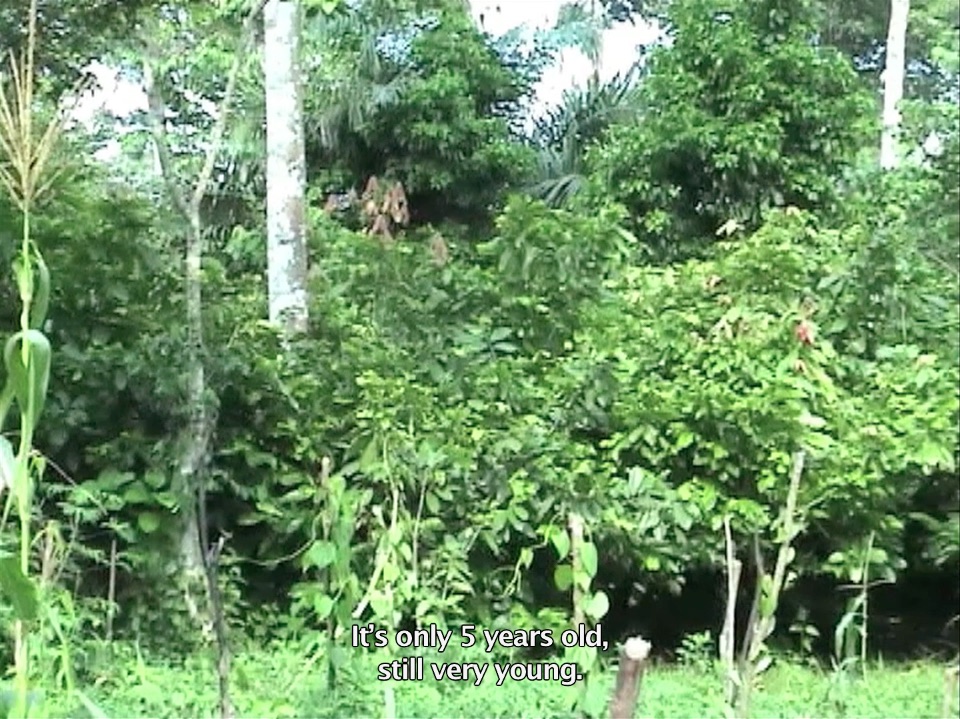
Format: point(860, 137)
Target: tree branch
point(157, 116)
point(158, 112)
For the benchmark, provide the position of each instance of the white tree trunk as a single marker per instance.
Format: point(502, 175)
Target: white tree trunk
point(893, 83)
point(286, 168)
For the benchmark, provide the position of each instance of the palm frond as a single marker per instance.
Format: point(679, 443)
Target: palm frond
point(564, 132)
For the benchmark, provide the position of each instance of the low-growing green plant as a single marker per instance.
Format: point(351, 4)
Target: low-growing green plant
point(576, 573)
point(696, 651)
point(743, 674)
point(136, 684)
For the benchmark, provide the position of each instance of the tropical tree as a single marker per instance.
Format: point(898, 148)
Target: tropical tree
point(740, 113)
point(416, 95)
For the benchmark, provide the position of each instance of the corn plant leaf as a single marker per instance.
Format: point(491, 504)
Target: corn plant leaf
point(30, 380)
point(18, 588)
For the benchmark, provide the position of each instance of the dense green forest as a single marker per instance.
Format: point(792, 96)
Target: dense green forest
point(341, 329)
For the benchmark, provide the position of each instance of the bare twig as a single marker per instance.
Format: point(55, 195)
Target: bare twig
point(728, 635)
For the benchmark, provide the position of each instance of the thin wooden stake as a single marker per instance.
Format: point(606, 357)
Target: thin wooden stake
point(633, 663)
point(112, 589)
point(728, 636)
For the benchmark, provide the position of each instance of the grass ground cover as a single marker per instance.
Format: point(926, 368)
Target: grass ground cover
point(278, 681)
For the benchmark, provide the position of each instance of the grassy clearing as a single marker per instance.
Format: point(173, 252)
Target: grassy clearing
point(277, 681)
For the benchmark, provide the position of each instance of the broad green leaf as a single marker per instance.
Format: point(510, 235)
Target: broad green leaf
point(500, 333)
point(154, 480)
point(561, 542)
point(320, 555)
point(31, 379)
point(391, 572)
point(137, 493)
point(41, 294)
point(563, 577)
point(18, 588)
point(339, 656)
point(812, 421)
point(588, 558)
point(597, 606)
point(149, 522)
point(322, 606)
point(369, 455)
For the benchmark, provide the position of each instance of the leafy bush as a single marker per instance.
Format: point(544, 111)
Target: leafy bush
point(721, 368)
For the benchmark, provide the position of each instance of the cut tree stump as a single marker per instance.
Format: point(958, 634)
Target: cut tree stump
point(633, 662)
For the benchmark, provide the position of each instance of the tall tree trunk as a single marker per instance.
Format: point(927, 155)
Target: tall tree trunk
point(893, 83)
point(286, 168)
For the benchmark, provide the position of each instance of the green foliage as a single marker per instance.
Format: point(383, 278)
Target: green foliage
point(413, 458)
point(578, 574)
point(111, 403)
point(741, 113)
point(527, 376)
point(73, 34)
point(696, 652)
point(565, 132)
point(859, 29)
point(722, 375)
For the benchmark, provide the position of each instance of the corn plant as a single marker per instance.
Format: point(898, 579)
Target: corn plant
point(26, 174)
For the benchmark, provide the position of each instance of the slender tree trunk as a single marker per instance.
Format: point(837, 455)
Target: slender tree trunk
point(193, 442)
point(893, 83)
point(626, 692)
point(196, 438)
point(286, 168)
point(199, 571)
